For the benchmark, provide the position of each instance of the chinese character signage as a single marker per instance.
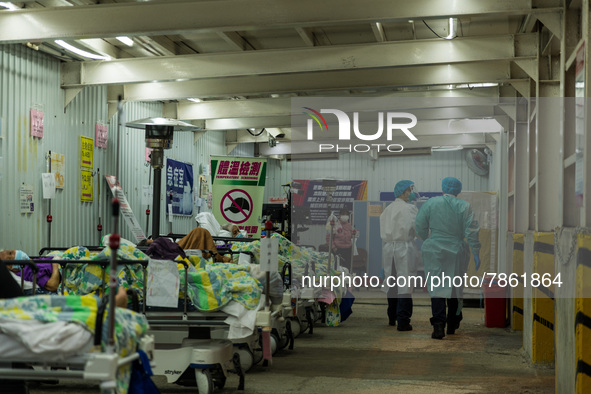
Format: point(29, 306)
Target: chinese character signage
point(238, 186)
point(86, 152)
point(101, 136)
point(36, 123)
point(85, 185)
point(179, 183)
point(311, 196)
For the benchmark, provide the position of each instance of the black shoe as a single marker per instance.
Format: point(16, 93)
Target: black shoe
point(392, 323)
point(404, 327)
point(452, 327)
point(438, 331)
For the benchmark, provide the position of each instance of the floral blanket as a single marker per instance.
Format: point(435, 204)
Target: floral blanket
point(210, 286)
point(129, 326)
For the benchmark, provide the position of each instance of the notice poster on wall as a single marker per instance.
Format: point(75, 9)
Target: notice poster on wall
point(86, 152)
point(26, 199)
point(48, 182)
point(59, 169)
point(238, 186)
point(312, 197)
point(36, 123)
point(86, 194)
point(179, 183)
point(101, 135)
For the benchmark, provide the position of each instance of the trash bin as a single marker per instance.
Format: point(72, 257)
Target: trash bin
point(495, 303)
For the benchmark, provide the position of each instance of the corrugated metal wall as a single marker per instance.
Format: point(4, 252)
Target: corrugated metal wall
point(426, 171)
point(243, 150)
point(29, 78)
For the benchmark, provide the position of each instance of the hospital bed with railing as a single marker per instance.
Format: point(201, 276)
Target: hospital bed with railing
point(46, 338)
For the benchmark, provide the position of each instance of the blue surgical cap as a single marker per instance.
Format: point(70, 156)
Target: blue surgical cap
point(451, 185)
point(401, 187)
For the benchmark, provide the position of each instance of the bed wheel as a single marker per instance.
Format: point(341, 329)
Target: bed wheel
point(296, 327)
point(246, 358)
point(204, 381)
point(274, 343)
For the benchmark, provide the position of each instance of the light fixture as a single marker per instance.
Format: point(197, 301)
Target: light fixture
point(195, 100)
point(9, 5)
point(126, 40)
point(81, 52)
point(452, 29)
point(446, 148)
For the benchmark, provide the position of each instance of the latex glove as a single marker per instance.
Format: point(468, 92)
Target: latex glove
point(476, 262)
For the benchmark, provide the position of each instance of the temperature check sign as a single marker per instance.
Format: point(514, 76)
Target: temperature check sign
point(236, 206)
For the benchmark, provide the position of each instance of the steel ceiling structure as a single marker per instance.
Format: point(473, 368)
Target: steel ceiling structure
point(245, 59)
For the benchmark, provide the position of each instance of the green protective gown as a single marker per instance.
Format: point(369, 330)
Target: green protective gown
point(445, 251)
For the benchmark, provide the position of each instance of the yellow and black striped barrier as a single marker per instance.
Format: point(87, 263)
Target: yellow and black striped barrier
point(583, 314)
point(517, 320)
point(543, 298)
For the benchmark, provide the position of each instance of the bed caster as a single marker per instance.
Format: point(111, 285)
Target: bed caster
point(204, 381)
point(274, 344)
point(246, 358)
point(296, 327)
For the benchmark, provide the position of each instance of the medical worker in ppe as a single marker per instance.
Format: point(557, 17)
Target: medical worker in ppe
point(444, 222)
point(400, 254)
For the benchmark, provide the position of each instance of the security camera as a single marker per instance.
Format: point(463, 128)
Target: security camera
point(276, 133)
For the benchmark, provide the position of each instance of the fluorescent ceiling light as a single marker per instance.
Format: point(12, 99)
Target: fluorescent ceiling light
point(452, 29)
point(476, 85)
point(81, 52)
point(446, 148)
point(195, 100)
point(9, 5)
point(126, 40)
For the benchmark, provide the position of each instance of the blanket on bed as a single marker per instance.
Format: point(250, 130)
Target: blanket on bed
point(129, 326)
point(210, 286)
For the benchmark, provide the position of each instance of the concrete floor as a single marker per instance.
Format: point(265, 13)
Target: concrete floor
point(365, 355)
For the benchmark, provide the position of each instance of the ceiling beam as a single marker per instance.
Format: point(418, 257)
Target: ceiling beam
point(306, 35)
point(427, 141)
point(322, 81)
point(421, 108)
point(222, 65)
point(378, 31)
point(144, 18)
point(424, 125)
point(236, 41)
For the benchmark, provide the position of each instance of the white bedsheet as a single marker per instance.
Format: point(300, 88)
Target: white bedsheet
point(49, 341)
point(240, 319)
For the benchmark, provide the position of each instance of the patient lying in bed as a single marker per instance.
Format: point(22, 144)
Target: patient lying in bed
point(198, 238)
point(48, 276)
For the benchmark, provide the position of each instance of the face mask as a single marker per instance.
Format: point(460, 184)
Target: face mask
point(20, 255)
point(412, 196)
point(344, 218)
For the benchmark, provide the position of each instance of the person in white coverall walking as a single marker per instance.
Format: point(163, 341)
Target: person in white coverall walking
point(400, 254)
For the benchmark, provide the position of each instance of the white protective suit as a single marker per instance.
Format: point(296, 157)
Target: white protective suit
point(397, 230)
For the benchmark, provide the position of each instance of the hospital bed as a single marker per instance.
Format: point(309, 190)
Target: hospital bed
point(184, 351)
point(36, 331)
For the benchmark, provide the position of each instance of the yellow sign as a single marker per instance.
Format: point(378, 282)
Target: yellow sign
point(59, 169)
point(86, 152)
point(86, 186)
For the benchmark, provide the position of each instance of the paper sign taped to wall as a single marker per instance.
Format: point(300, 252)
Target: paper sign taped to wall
point(48, 180)
point(163, 284)
point(147, 192)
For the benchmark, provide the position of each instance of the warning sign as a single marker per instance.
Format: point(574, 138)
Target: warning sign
point(236, 206)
